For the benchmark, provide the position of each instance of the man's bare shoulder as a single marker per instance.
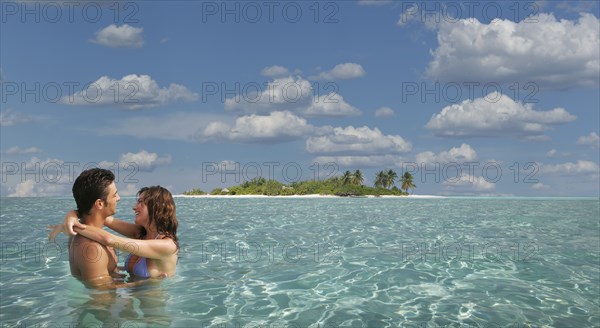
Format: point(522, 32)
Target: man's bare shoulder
point(81, 242)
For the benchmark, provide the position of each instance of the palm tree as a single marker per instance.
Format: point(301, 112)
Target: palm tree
point(380, 179)
point(407, 181)
point(347, 178)
point(358, 178)
point(391, 177)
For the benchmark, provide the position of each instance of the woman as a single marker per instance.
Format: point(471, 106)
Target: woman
point(151, 241)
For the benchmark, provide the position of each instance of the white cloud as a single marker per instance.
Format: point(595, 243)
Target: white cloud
point(215, 130)
point(291, 94)
point(591, 139)
point(47, 165)
point(130, 92)
point(332, 105)
point(50, 177)
point(174, 126)
point(228, 165)
point(30, 188)
point(570, 168)
point(551, 153)
point(123, 36)
point(143, 160)
point(461, 154)
point(539, 186)
point(275, 71)
point(19, 151)
point(344, 71)
point(468, 183)
point(549, 52)
point(275, 127)
point(361, 161)
point(280, 94)
point(52, 170)
point(410, 14)
point(23, 189)
point(357, 141)
point(384, 112)
point(129, 190)
point(485, 118)
point(55, 177)
point(10, 117)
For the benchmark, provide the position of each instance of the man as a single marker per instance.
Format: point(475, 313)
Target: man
point(96, 196)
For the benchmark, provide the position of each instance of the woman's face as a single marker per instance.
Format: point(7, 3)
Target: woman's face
point(141, 212)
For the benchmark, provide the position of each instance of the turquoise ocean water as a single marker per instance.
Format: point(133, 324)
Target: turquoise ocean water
point(328, 262)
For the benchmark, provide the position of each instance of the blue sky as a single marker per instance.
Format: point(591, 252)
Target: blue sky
point(473, 98)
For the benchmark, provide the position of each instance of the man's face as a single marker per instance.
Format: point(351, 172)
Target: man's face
point(113, 197)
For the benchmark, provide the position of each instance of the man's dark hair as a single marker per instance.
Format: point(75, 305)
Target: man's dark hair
point(89, 186)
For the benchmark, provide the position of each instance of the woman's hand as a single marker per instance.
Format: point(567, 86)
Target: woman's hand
point(54, 231)
point(71, 221)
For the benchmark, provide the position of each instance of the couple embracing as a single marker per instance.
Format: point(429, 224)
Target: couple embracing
point(151, 240)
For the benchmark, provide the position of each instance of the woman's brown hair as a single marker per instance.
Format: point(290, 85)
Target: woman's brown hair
point(161, 210)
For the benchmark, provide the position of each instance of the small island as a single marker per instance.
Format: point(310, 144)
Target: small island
point(350, 184)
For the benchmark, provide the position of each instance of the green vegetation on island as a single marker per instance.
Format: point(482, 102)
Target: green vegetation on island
point(348, 184)
point(195, 191)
